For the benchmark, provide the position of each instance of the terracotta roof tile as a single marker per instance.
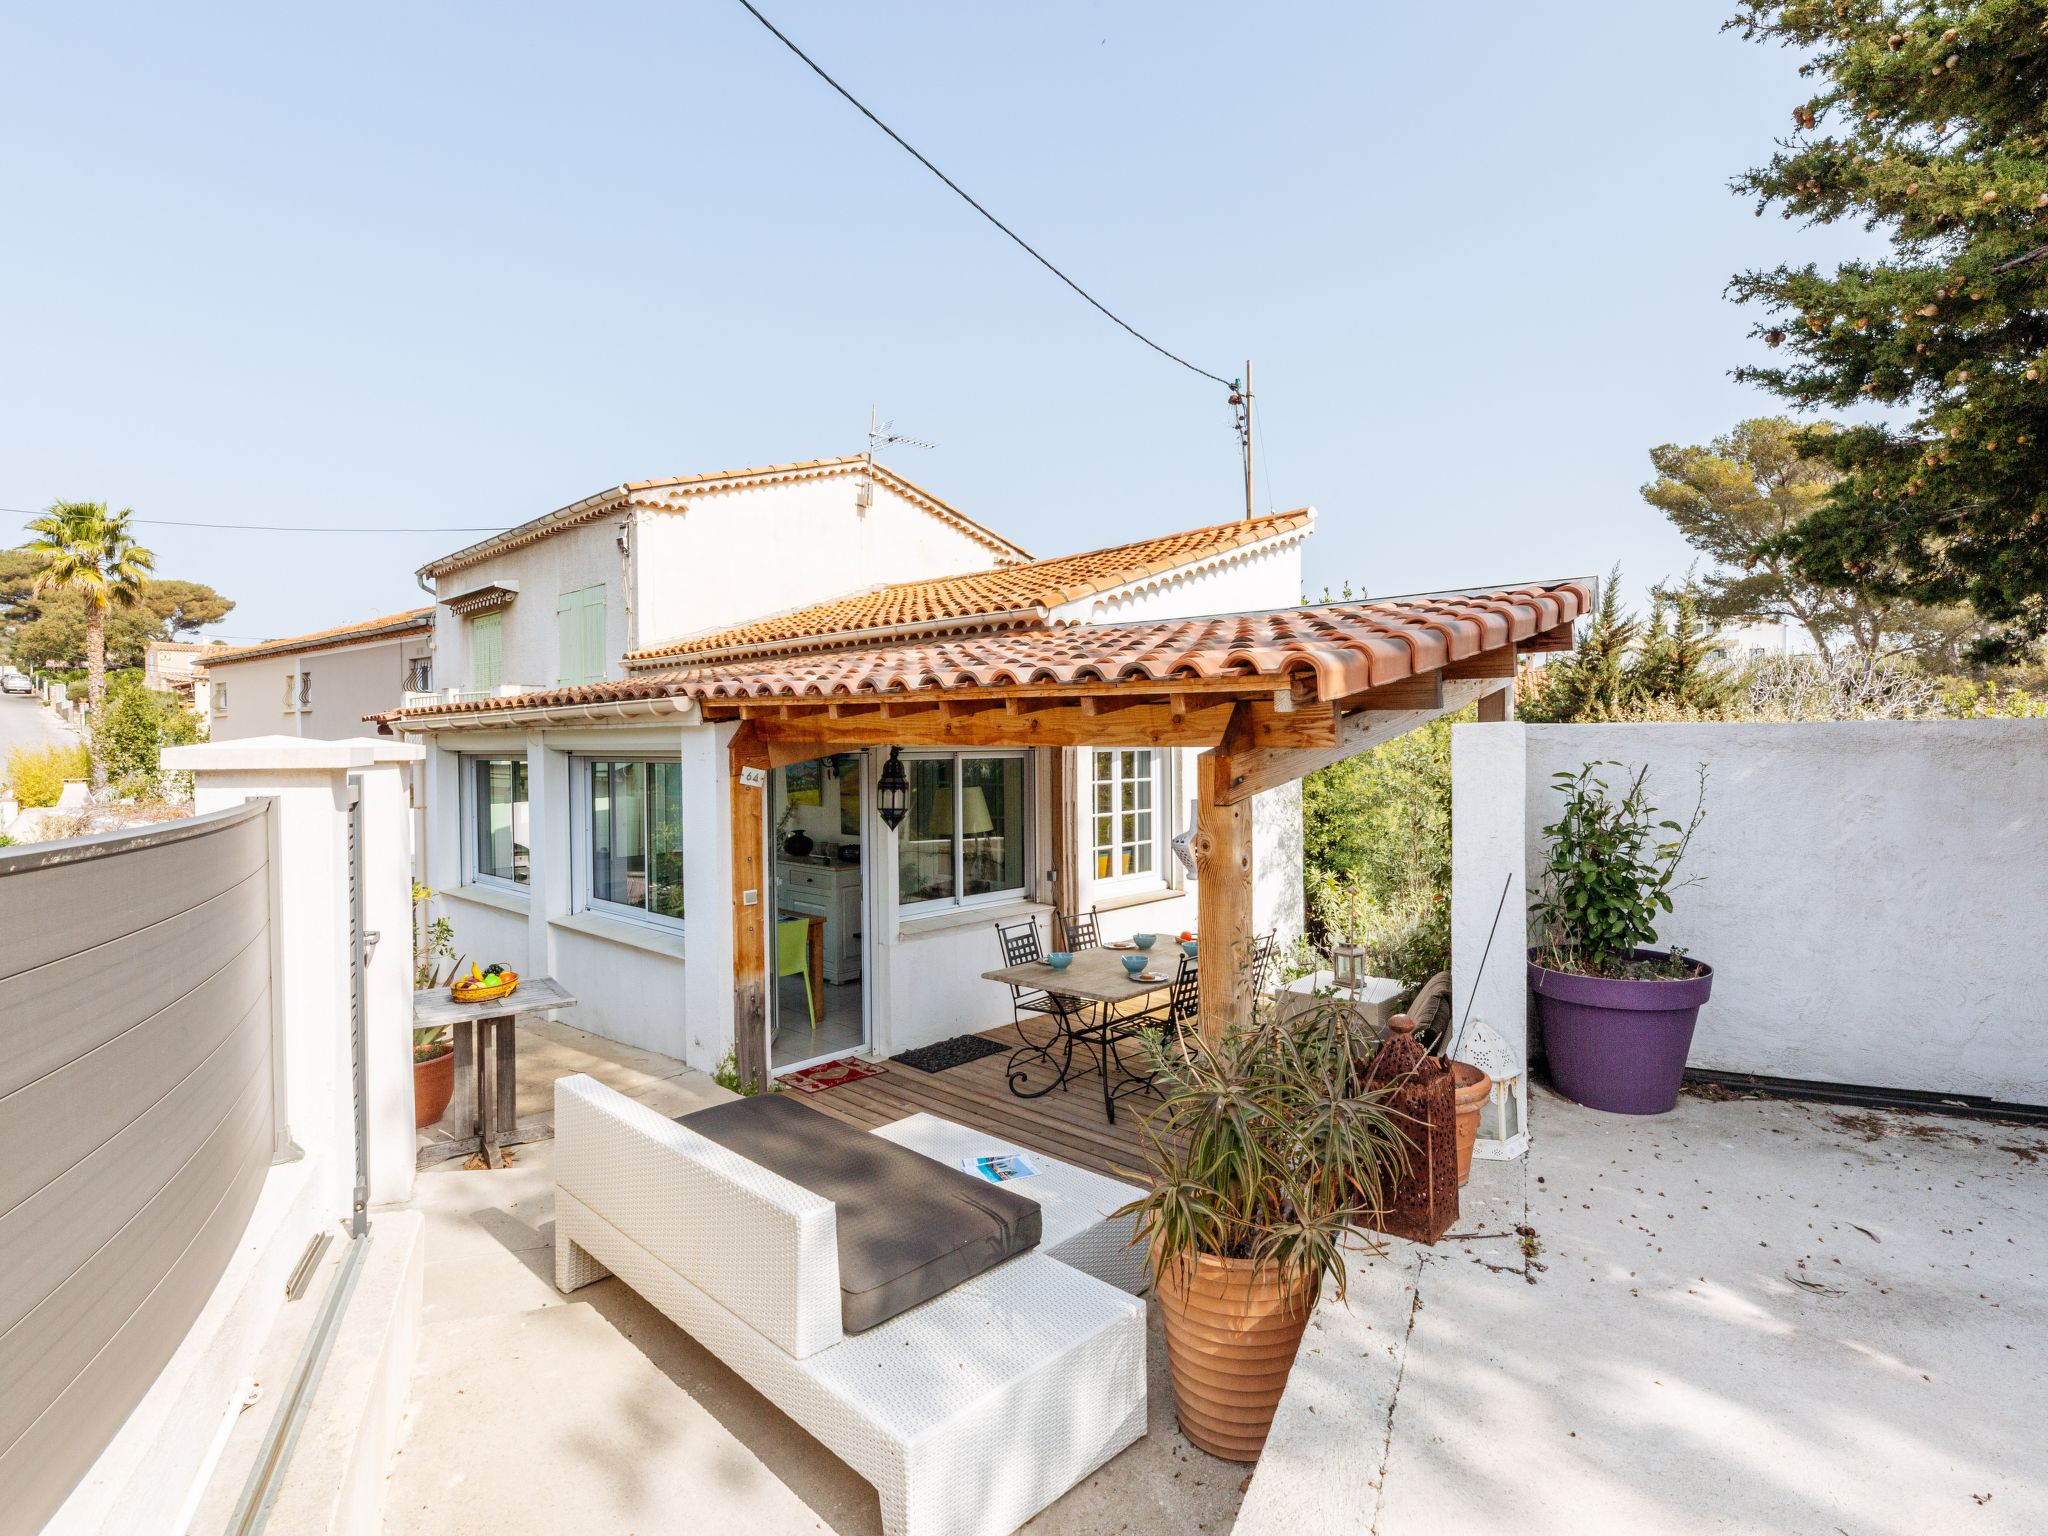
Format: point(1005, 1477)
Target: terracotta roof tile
point(412, 620)
point(1345, 647)
point(1021, 594)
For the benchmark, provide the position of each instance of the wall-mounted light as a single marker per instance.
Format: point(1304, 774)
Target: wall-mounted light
point(892, 790)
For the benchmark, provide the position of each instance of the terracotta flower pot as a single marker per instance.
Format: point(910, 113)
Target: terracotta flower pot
point(1469, 1088)
point(433, 1085)
point(1232, 1330)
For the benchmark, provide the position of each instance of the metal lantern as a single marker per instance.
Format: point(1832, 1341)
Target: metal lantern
point(1348, 966)
point(892, 790)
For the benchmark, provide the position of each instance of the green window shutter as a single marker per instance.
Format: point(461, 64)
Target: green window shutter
point(486, 651)
point(579, 626)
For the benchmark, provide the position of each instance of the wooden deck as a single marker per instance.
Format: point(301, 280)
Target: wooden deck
point(1067, 1124)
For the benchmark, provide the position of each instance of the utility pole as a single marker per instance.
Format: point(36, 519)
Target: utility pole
point(1247, 439)
point(1241, 403)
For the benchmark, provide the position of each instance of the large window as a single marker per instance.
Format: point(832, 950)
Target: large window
point(964, 839)
point(1124, 818)
point(499, 815)
point(634, 816)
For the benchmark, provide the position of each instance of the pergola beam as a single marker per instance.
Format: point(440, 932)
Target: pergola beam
point(751, 897)
point(1254, 771)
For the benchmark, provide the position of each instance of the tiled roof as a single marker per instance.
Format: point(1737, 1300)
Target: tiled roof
point(672, 493)
point(1345, 647)
point(412, 621)
point(1021, 594)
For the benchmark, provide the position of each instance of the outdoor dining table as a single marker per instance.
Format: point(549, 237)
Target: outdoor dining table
point(486, 1108)
point(1093, 976)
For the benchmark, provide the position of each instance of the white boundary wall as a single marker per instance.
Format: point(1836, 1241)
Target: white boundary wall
point(1873, 901)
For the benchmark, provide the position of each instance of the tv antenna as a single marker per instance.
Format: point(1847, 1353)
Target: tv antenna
point(883, 434)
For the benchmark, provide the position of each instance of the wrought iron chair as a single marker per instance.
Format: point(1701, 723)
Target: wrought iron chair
point(1020, 946)
point(1079, 930)
point(1262, 964)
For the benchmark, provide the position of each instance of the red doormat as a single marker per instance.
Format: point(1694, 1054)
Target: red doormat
point(832, 1074)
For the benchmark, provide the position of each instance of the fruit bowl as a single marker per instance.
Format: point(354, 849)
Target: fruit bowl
point(475, 990)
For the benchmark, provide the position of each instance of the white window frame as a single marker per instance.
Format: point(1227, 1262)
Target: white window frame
point(959, 900)
point(1159, 875)
point(583, 842)
point(472, 874)
point(219, 693)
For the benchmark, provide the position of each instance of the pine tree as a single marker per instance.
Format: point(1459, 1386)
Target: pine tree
point(1930, 123)
point(1593, 681)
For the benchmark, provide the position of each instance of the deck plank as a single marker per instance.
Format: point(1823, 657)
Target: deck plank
point(1066, 1125)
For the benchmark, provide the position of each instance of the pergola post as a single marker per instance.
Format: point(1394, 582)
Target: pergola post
point(751, 897)
point(1223, 904)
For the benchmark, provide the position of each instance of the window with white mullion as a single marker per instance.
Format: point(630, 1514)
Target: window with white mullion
point(1124, 814)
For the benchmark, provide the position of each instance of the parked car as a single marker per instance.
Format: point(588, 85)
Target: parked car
point(16, 682)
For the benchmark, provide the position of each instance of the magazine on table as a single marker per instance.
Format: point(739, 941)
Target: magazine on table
point(1000, 1167)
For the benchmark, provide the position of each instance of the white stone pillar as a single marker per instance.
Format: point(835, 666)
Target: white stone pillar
point(307, 781)
point(385, 877)
point(1489, 855)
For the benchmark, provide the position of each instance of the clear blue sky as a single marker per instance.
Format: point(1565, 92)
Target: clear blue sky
point(430, 265)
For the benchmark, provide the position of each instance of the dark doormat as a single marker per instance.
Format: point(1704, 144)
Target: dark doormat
point(950, 1053)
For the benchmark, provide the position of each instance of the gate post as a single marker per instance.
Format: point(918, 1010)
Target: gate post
point(311, 978)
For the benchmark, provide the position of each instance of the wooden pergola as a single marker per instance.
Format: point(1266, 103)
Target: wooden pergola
point(1266, 698)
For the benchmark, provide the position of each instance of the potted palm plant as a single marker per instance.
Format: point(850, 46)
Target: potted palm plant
point(1262, 1157)
point(1617, 1013)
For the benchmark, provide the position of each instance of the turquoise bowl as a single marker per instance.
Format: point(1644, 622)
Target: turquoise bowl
point(1134, 963)
point(1187, 947)
point(1060, 959)
point(1144, 940)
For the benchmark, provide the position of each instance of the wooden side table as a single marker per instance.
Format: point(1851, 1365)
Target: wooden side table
point(486, 1106)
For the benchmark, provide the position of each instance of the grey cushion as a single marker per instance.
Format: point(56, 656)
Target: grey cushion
point(910, 1228)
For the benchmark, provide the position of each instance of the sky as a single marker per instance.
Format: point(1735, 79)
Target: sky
point(445, 267)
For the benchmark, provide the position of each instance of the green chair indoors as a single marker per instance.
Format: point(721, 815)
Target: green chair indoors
point(793, 958)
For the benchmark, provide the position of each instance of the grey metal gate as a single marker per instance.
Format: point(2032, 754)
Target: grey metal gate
point(136, 1120)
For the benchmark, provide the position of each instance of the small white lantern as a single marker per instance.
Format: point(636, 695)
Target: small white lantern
point(1501, 1130)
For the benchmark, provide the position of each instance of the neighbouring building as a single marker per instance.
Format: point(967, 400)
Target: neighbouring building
point(175, 666)
point(320, 685)
point(578, 818)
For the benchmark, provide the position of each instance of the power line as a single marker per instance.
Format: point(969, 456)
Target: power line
point(168, 522)
point(967, 198)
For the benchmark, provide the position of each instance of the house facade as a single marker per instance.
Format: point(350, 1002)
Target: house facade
point(318, 685)
point(579, 822)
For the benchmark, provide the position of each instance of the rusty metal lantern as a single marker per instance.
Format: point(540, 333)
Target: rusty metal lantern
point(1424, 1200)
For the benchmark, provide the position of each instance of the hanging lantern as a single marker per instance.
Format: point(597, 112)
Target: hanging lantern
point(892, 790)
point(1348, 966)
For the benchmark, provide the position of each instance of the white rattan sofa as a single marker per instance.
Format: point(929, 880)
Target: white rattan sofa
point(969, 1412)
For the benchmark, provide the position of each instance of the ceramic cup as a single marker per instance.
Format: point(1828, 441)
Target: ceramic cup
point(1144, 940)
point(1134, 963)
point(1060, 959)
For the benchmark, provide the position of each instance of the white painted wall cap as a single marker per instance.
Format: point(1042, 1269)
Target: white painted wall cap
point(257, 754)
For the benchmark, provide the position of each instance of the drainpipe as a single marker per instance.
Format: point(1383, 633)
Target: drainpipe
point(626, 577)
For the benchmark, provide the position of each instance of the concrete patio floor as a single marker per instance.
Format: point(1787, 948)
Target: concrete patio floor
point(1744, 1316)
point(536, 1413)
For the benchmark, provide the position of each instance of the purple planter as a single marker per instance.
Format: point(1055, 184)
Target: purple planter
point(1619, 1045)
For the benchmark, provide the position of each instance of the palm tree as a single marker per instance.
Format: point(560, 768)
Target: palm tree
point(88, 550)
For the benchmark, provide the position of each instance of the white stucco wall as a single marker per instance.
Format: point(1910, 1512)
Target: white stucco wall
point(733, 556)
point(1871, 896)
point(530, 649)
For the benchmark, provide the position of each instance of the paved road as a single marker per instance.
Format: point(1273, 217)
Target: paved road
point(25, 723)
